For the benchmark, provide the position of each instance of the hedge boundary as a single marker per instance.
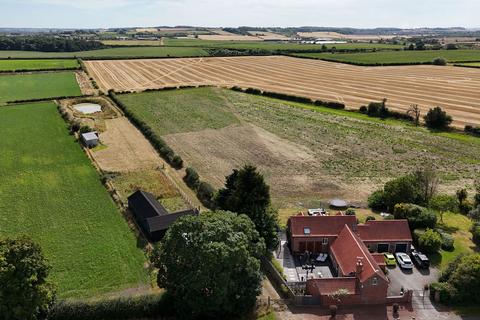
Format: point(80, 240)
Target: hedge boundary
point(158, 143)
point(147, 306)
point(46, 99)
point(291, 98)
point(40, 70)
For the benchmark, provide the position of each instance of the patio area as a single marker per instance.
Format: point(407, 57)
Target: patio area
point(296, 270)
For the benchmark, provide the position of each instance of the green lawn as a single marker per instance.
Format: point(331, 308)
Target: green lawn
point(13, 65)
point(267, 45)
point(397, 57)
point(37, 85)
point(459, 227)
point(50, 191)
point(127, 52)
point(180, 110)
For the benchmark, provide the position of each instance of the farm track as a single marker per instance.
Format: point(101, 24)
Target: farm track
point(457, 90)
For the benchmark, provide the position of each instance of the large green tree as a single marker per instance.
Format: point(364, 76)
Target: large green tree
point(465, 279)
point(246, 192)
point(210, 264)
point(25, 293)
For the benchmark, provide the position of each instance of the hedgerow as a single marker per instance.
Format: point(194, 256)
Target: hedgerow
point(288, 97)
point(148, 306)
point(158, 143)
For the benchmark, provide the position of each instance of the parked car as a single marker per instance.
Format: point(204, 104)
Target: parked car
point(420, 259)
point(389, 259)
point(404, 260)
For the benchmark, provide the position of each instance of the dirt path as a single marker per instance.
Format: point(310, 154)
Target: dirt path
point(84, 83)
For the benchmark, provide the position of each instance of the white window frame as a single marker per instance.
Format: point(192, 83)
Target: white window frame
point(374, 281)
point(307, 231)
point(325, 241)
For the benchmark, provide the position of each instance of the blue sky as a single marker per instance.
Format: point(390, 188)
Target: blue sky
point(347, 13)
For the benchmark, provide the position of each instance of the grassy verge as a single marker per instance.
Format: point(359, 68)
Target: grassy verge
point(51, 192)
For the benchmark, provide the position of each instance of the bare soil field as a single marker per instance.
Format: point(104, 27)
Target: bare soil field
point(457, 90)
point(127, 149)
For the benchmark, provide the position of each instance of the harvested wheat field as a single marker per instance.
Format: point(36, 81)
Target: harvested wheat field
point(457, 90)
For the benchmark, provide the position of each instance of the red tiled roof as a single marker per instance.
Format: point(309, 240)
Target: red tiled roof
point(379, 258)
point(348, 249)
point(384, 230)
point(319, 225)
point(326, 286)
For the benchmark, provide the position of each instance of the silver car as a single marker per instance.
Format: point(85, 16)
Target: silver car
point(404, 260)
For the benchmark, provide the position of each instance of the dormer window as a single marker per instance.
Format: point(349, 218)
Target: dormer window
point(306, 231)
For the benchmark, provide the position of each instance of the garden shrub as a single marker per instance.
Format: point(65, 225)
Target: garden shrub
point(447, 241)
point(376, 200)
point(350, 212)
point(417, 216)
point(417, 233)
point(430, 241)
point(370, 218)
point(363, 109)
point(476, 234)
point(446, 291)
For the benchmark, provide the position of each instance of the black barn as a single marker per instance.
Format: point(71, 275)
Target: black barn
point(151, 216)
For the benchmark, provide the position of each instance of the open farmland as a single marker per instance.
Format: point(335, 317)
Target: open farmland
point(51, 192)
point(457, 90)
point(397, 57)
point(305, 152)
point(13, 65)
point(471, 64)
point(37, 85)
point(267, 45)
point(127, 52)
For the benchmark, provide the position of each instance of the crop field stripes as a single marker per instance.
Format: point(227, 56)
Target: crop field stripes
point(457, 90)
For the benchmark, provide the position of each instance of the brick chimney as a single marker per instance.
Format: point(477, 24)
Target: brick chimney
point(359, 266)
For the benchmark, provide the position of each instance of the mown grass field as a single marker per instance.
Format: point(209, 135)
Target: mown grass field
point(397, 57)
point(13, 65)
point(37, 85)
point(306, 152)
point(50, 191)
point(186, 110)
point(151, 52)
point(267, 45)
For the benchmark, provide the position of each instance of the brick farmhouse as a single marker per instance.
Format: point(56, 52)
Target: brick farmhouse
point(356, 254)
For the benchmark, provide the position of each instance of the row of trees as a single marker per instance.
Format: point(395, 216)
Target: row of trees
point(435, 118)
point(48, 44)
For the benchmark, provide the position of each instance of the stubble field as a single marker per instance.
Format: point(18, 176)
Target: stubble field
point(457, 90)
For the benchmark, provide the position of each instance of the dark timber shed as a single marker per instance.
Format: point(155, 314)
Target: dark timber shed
point(151, 216)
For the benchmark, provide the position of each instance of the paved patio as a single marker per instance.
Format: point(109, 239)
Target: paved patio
point(293, 269)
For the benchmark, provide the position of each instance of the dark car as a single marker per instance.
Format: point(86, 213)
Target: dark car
point(420, 259)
